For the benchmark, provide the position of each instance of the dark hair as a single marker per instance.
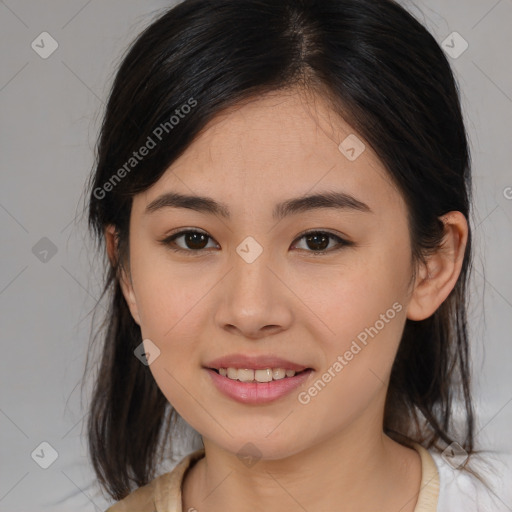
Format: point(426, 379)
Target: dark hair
point(379, 69)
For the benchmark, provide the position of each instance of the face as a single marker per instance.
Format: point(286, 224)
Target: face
point(322, 284)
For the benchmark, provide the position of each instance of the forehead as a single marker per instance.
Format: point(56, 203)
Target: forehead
point(275, 146)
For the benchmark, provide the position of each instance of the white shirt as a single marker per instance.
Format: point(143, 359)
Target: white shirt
point(460, 491)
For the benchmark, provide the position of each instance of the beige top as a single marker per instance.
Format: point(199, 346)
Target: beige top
point(163, 494)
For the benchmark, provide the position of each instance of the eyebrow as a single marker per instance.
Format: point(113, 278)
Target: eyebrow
point(334, 200)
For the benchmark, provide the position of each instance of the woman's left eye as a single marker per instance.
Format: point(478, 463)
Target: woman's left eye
point(317, 242)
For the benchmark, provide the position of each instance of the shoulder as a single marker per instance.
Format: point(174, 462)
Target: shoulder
point(162, 494)
point(460, 490)
point(141, 499)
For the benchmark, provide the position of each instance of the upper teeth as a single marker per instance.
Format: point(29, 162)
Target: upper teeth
point(246, 375)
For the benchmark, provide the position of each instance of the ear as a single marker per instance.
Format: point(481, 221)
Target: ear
point(437, 278)
point(112, 239)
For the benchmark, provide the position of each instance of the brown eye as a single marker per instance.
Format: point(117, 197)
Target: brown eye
point(192, 241)
point(318, 241)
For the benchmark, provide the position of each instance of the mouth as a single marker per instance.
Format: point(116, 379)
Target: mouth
point(256, 378)
point(257, 386)
point(258, 375)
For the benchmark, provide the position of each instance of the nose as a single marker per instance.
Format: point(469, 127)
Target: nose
point(254, 301)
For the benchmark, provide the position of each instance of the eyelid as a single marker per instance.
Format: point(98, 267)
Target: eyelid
point(336, 234)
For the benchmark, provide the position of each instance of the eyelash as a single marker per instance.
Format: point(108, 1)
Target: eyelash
point(170, 239)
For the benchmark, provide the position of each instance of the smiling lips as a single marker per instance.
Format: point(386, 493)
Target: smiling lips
point(256, 379)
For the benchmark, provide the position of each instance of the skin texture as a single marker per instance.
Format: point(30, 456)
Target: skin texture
point(331, 453)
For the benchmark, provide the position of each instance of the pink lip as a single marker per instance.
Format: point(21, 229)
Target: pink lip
point(257, 392)
point(254, 363)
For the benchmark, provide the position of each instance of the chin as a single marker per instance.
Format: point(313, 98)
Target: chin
point(251, 448)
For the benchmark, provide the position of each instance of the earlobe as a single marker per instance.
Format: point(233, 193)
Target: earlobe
point(125, 282)
point(438, 276)
point(129, 295)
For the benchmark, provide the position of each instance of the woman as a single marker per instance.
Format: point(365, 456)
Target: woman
point(283, 189)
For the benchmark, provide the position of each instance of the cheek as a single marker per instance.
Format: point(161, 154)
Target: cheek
point(368, 323)
point(365, 311)
point(171, 301)
point(167, 295)
point(360, 296)
point(169, 304)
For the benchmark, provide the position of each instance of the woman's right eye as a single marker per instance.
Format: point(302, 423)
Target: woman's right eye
point(193, 240)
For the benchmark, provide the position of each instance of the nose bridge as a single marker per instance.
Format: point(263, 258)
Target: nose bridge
point(251, 297)
point(250, 280)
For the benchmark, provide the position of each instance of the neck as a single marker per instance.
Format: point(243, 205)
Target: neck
point(366, 471)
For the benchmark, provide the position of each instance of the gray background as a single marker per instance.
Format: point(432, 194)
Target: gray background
point(50, 113)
